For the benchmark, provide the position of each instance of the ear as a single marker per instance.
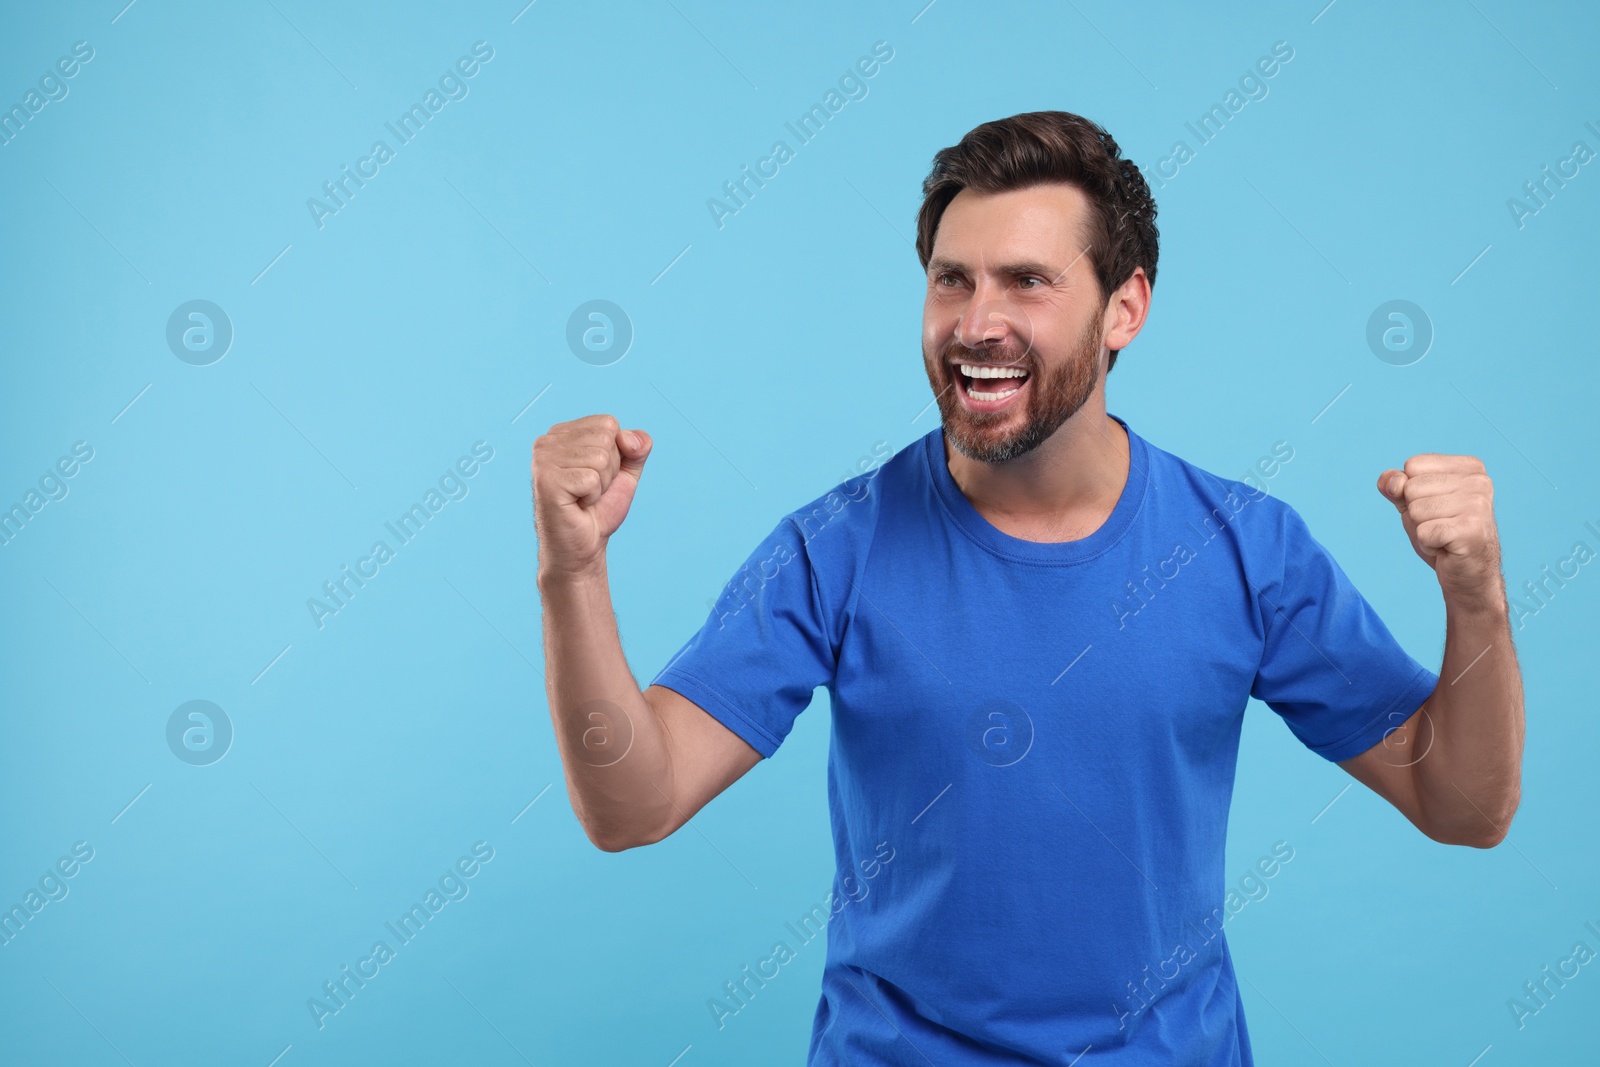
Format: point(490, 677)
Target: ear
point(1126, 311)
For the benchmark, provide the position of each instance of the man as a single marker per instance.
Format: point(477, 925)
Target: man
point(1039, 633)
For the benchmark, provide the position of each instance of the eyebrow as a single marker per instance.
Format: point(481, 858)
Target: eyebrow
point(941, 263)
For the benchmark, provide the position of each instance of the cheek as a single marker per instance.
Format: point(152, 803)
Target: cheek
point(1045, 344)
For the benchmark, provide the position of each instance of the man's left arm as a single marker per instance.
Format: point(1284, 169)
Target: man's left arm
point(1454, 768)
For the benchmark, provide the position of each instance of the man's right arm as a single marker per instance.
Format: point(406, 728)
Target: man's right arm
point(638, 764)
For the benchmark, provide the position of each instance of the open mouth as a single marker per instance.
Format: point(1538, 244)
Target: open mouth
point(989, 388)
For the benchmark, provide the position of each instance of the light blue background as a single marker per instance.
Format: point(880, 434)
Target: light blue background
point(771, 357)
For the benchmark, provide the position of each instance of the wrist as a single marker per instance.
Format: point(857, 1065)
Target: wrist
point(553, 578)
point(1486, 602)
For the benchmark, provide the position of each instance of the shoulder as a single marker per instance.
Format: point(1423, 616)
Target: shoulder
point(846, 516)
point(831, 535)
point(1265, 533)
point(1249, 497)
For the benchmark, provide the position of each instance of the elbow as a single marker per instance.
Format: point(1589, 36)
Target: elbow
point(1474, 838)
point(1481, 840)
point(1485, 830)
point(1489, 840)
point(1502, 821)
point(612, 840)
point(622, 838)
point(607, 841)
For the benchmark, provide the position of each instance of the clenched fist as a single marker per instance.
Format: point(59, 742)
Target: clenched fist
point(585, 473)
point(1447, 506)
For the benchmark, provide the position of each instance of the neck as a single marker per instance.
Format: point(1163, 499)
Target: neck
point(1064, 490)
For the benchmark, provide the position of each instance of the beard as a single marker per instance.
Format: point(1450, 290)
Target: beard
point(1054, 396)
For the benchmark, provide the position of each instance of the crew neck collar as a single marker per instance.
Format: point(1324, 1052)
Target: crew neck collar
point(996, 541)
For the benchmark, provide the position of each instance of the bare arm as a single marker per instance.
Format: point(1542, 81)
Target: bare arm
point(638, 764)
point(1454, 768)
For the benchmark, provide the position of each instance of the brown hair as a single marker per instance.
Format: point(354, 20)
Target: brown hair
point(1052, 146)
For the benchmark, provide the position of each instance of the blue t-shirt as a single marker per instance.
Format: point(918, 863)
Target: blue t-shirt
point(1033, 749)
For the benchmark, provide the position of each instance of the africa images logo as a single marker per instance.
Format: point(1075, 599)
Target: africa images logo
point(452, 485)
point(452, 86)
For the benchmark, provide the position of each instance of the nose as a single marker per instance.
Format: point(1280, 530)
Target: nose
point(986, 319)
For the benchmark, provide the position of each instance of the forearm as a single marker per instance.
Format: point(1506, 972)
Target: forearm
point(612, 744)
point(1469, 780)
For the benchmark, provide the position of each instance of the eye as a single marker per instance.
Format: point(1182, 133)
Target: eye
point(941, 278)
point(1030, 278)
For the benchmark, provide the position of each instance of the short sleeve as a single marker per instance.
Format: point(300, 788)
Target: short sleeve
point(766, 646)
point(1330, 667)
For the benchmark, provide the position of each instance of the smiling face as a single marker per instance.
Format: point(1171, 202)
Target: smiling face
point(1012, 334)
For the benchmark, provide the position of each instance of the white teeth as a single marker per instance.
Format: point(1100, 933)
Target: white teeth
point(992, 372)
point(974, 394)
